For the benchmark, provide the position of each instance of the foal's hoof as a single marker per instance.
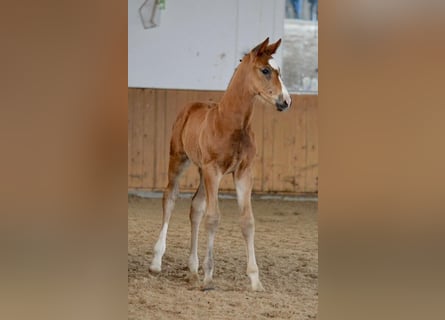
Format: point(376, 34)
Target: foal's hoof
point(258, 287)
point(154, 269)
point(193, 279)
point(208, 286)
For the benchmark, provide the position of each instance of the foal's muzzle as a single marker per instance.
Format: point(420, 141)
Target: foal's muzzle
point(283, 104)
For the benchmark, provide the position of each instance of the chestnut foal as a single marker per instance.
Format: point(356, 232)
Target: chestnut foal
point(218, 138)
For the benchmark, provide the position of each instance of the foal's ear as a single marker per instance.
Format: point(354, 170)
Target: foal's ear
point(259, 49)
point(273, 47)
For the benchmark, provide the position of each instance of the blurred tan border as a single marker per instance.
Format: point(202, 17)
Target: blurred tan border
point(63, 142)
point(382, 156)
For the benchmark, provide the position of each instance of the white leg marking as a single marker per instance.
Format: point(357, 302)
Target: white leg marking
point(159, 249)
point(240, 189)
point(193, 263)
point(196, 213)
point(252, 267)
point(208, 261)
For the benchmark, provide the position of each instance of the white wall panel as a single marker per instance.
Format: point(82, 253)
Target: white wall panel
point(199, 42)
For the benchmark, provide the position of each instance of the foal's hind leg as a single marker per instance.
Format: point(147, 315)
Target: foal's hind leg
point(212, 178)
point(244, 183)
point(178, 162)
point(196, 212)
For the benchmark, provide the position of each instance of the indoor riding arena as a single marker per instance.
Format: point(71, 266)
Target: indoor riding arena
point(169, 67)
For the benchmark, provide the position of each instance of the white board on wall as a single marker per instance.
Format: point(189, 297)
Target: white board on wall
point(198, 43)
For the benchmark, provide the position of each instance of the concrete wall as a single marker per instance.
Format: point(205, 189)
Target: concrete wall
point(300, 56)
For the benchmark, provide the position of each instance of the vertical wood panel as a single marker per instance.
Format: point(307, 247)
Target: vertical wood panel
point(130, 150)
point(287, 143)
point(172, 109)
point(268, 165)
point(299, 149)
point(148, 115)
point(160, 151)
point(312, 145)
point(136, 157)
point(284, 141)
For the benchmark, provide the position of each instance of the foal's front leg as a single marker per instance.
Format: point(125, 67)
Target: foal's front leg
point(243, 182)
point(212, 177)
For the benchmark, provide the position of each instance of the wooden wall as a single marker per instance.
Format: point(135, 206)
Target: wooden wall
point(287, 143)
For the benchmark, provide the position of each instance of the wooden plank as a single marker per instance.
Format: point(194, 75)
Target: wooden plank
point(299, 148)
point(284, 140)
point(162, 145)
point(148, 117)
point(312, 145)
point(268, 147)
point(136, 150)
point(171, 111)
point(130, 116)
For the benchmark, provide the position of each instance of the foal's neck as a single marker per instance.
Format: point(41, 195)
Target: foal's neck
point(236, 105)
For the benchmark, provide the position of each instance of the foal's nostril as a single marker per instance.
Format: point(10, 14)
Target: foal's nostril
point(281, 106)
point(282, 103)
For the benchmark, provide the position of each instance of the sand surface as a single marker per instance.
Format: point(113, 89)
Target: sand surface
point(287, 256)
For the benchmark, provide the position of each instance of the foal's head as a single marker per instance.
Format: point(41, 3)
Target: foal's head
point(264, 75)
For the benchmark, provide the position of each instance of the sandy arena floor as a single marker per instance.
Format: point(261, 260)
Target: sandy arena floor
point(286, 242)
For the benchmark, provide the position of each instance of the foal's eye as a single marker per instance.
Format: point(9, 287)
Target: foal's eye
point(265, 71)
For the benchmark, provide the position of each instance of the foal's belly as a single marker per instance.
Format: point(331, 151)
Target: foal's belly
point(228, 155)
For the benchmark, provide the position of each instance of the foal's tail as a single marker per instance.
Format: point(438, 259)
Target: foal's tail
point(176, 143)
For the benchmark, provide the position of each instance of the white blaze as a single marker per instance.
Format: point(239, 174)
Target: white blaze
point(274, 64)
point(286, 95)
